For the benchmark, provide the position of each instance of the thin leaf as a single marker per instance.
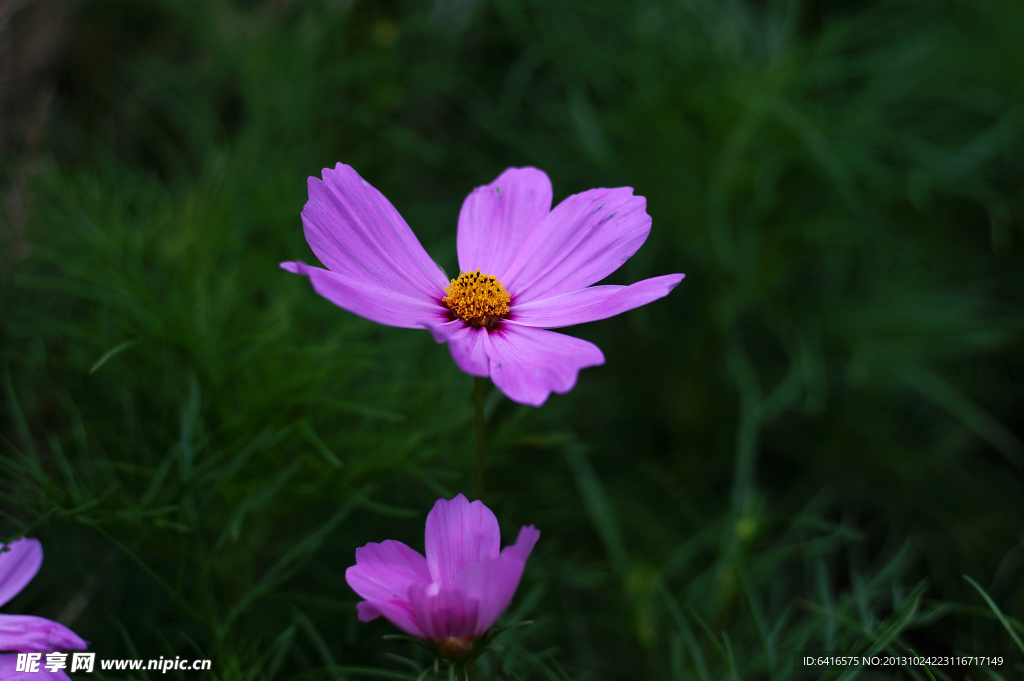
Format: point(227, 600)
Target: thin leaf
point(997, 611)
point(113, 352)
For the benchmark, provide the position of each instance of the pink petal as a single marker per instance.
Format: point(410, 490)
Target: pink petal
point(496, 218)
point(9, 663)
point(19, 563)
point(528, 364)
point(467, 348)
point(385, 571)
point(596, 302)
point(443, 612)
point(494, 582)
point(583, 240)
point(31, 634)
point(367, 299)
point(443, 331)
point(525, 541)
point(357, 233)
point(458, 534)
point(399, 613)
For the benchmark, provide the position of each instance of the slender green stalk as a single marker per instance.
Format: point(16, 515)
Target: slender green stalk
point(462, 674)
point(479, 382)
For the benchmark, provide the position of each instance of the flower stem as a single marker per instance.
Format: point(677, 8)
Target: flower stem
point(479, 384)
point(461, 673)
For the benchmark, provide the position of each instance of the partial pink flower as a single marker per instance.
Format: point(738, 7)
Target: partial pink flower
point(524, 268)
point(461, 588)
point(30, 634)
point(19, 562)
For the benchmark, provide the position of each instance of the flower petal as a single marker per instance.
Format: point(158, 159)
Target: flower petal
point(496, 218)
point(494, 582)
point(356, 232)
point(9, 665)
point(31, 634)
point(458, 534)
point(19, 563)
point(583, 240)
point(596, 302)
point(399, 613)
point(372, 301)
point(528, 364)
point(525, 541)
point(442, 331)
point(385, 571)
point(466, 346)
point(443, 612)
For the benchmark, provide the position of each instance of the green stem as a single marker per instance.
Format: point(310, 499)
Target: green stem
point(461, 673)
point(479, 436)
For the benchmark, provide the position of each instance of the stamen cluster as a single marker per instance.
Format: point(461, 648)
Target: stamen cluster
point(477, 298)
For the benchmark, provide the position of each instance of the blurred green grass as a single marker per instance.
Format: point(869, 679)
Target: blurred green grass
point(805, 447)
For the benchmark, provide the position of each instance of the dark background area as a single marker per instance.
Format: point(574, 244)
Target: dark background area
point(805, 447)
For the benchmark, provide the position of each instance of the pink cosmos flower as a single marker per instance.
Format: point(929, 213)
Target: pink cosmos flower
point(26, 633)
point(524, 268)
point(455, 594)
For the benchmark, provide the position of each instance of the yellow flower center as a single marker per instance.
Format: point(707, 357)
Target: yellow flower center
point(479, 299)
point(455, 647)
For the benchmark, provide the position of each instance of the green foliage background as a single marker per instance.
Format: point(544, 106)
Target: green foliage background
point(805, 447)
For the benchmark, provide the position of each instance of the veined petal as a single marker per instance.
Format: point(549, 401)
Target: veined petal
point(9, 665)
point(19, 563)
point(494, 582)
point(528, 364)
point(31, 634)
point(583, 240)
point(496, 218)
point(356, 232)
point(442, 331)
point(594, 303)
point(385, 571)
point(443, 612)
point(525, 541)
point(412, 310)
point(399, 613)
point(458, 534)
point(467, 348)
